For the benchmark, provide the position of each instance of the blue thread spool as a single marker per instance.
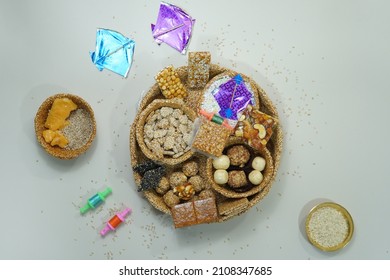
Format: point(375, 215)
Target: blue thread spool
point(95, 200)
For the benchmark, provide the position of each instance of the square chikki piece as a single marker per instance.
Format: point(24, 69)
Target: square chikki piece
point(198, 69)
point(184, 215)
point(233, 207)
point(206, 210)
point(170, 84)
point(211, 138)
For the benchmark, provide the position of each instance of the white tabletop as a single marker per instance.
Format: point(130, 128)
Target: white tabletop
point(324, 64)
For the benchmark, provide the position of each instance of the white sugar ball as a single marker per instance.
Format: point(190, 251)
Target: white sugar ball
point(258, 163)
point(255, 177)
point(221, 176)
point(222, 162)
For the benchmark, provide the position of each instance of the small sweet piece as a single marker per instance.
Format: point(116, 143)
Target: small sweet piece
point(238, 155)
point(197, 182)
point(169, 82)
point(258, 163)
point(151, 179)
point(195, 212)
point(205, 210)
point(184, 215)
point(233, 207)
point(59, 112)
point(163, 186)
point(184, 192)
point(221, 176)
point(255, 177)
point(115, 221)
point(221, 162)
point(206, 194)
point(211, 138)
point(190, 168)
point(145, 166)
point(95, 200)
point(177, 178)
point(255, 127)
point(56, 120)
point(198, 69)
point(171, 199)
point(55, 138)
point(237, 178)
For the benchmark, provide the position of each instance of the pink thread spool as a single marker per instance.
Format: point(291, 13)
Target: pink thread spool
point(115, 221)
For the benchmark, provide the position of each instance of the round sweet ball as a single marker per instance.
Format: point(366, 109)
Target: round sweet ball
point(221, 162)
point(171, 199)
point(221, 176)
point(206, 194)
point(258, 163)
point(238, 155)
point(255, 177)
point(190, 168)
point(237, 179)
point(163, 186)
point(197, 183)
point(177, 179)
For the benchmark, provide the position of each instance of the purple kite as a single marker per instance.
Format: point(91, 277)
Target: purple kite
point(232, 97)
point(173, 27)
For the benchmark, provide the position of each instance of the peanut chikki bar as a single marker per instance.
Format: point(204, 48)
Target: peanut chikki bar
point(170, 84)
point(211, 138)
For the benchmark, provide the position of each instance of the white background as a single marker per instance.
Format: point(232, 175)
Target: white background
point(324, 64)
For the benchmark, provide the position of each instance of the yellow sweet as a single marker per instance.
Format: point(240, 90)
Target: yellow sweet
point(59, 112)
point(56, 119)
point(55, 138)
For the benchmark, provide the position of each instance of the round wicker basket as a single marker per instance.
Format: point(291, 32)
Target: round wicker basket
point(153, 106)
point(40, 120)
point(230, 192)
point(228, 206)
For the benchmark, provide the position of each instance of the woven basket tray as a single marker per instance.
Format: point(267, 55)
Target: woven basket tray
point(228, 206)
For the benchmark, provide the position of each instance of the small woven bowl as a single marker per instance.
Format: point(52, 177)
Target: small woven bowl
point(345, 214)
point(230, 192)
point(153, 106)
point(40, 120)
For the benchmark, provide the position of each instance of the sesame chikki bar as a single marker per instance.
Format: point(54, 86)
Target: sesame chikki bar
point(198, 69)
